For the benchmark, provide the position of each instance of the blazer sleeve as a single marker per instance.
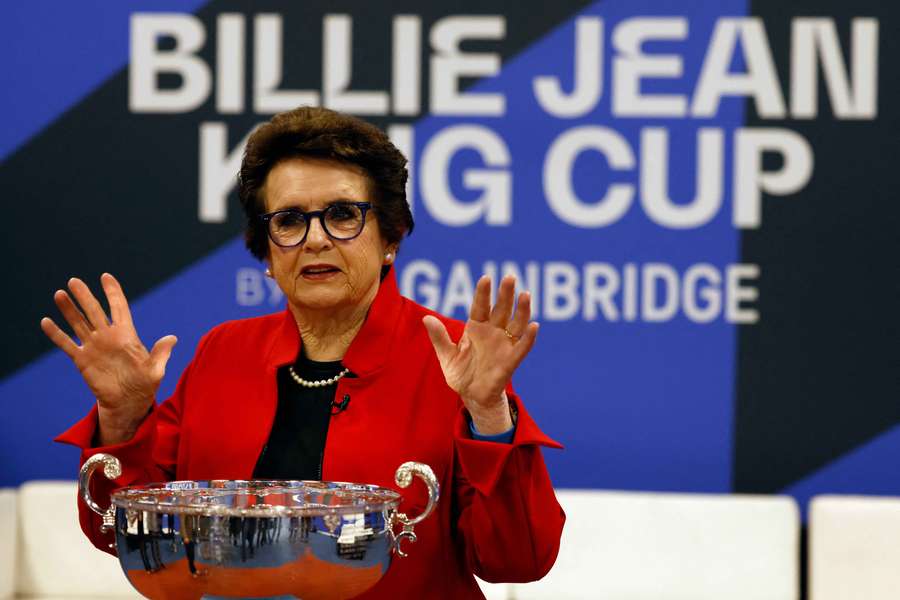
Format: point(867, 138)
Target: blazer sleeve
point(147, 457)
point(508, 515)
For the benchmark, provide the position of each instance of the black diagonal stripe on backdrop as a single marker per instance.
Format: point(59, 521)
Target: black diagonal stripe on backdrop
point(817, 376)
point(102, 189)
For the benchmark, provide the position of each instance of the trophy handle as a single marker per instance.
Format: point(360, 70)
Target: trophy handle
point(112, 468)
point(404, 477)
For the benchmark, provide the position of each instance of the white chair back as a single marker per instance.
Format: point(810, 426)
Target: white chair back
point(648, 546)
point(8, 542)
point(854, 548)
point(495, 591)
point(55, 558)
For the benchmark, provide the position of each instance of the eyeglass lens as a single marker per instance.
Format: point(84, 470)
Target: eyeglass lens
point(341, 221)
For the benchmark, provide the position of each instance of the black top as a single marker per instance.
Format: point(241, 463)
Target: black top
point(296, 443)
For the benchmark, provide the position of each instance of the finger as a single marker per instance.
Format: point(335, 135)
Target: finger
point(521, 316)
point(481, 303)
point(89, 304)
point(118, 303)
point(440, 339)
point(59, 337)
point(503, 308)
point(525, 343)
point(160, 353)
point(72, 315)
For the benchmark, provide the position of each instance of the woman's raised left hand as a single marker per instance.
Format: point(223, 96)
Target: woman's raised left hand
point(492, 345)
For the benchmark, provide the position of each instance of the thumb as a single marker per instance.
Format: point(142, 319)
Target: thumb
point(160, 353)
point(440, 339)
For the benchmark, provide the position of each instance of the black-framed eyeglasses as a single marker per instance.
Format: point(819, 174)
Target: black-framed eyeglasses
point(340, 221)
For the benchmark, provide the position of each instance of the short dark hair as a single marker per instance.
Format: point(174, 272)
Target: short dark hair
point(324, 133)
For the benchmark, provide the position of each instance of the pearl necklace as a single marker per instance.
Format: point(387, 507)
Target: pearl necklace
point(314, 384)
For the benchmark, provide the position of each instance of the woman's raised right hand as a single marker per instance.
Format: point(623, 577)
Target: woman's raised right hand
point(117, 367)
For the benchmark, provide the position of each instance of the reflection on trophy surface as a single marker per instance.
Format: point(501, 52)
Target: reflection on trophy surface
point(258, 538)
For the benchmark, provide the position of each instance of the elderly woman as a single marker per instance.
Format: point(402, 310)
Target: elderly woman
point(347, 383)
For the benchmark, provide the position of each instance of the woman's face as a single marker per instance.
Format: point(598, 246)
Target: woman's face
point(323, 273)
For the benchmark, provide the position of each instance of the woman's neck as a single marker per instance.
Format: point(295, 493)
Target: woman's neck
point(328, 334)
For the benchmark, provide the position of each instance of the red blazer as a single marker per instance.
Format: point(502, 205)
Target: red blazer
point(497, 517)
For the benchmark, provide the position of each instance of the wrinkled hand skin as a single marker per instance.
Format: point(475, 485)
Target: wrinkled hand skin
point(119, 370)
point(492, 346)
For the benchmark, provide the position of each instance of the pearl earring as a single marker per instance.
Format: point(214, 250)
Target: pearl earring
point(388, 256)
point(268, 272)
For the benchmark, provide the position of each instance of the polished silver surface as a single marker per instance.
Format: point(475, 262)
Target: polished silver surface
point(403, 477)
point(112, 468)
point(256, 538)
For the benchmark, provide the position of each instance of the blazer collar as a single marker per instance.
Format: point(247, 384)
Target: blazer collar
point(370, 348)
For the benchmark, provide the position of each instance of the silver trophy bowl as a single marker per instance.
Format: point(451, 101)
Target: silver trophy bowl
point(312, 540)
